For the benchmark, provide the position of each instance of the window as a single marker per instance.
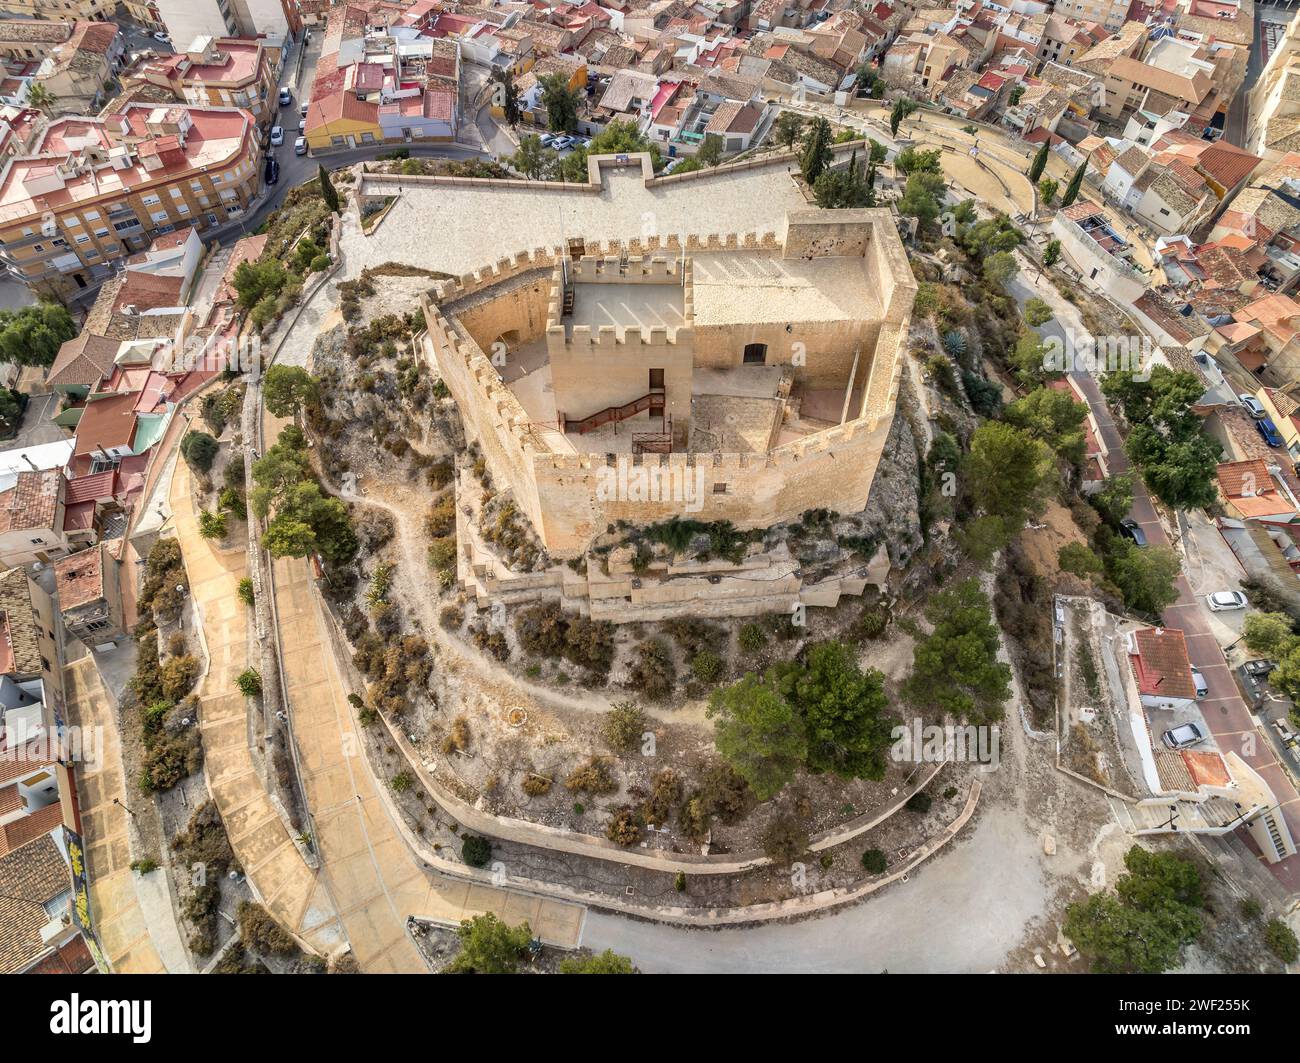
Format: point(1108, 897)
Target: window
point(151, 200)
point(719, 489)
point(38, 542)
point(45, 665)
point(159, 215)
point(656, 380)
point(92, 215)
point(755, 354)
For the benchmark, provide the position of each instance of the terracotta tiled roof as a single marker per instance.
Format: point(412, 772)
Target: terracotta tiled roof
point(30, 877)
point(1161, 663)
point(84, 359)
point(79, 577)
point(32, 502)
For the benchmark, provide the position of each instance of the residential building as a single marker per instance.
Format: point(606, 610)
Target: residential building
point(88, 10)
point(145, 13)
point(1162, 668)
point(33, 524)
point(1251, 491)
point(97, 190)
point(216, 72)
point(1274, 126)
point(72, 62)
point(187, 19)
point(88, 593)
point(44, 906)
point(1095, 249)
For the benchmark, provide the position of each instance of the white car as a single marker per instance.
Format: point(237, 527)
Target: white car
point(277, 136)
point(300, 146)
point(1252, 405)
point(1221, 601)
point(160, 36)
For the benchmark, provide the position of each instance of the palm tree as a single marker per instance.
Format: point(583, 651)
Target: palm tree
point(40, 97)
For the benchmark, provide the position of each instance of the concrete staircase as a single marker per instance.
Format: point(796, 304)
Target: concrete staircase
point(1216, 815)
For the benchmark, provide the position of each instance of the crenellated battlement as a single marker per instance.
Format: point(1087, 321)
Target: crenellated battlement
point(610, 338)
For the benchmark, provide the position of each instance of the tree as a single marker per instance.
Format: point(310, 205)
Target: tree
point(1017, 94)
point(1047, 189)
point(1005, 472)
point(1076, 183)
point(1053, 417)
point(327, 190)
point(956, 668)
point(1144, 575)
point(1032, 360)
point(816, 154)
point(1114, 498)
point(1076, 558)
point(758, 733)
point(845, 188)
point(999, 268)
point(788, 128)
point(33, 334)
point(288, 388)
point(1051, 254)
point(41, 98)
point(199, 450)
point(922, 196)
point(1037, 313)
point(1167, 441)
point(689, 164)
point(902, 108)
point(561, 103)
point(712, 150)
point(1269, 634)
point(1039, 164)
point(845, 726)
point(508, 95)
point(475, 851)
point(1144, 926)
point(910, 161)
point(254, 281)
point(489, 946)
point(533, 159)
point(607, 962)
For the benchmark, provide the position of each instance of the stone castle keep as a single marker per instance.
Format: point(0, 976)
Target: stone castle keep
point(737, 378)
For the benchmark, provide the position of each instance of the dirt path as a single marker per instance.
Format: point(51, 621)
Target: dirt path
point(463, 669)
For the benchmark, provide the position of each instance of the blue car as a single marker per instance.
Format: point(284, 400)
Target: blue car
point(1268, 432)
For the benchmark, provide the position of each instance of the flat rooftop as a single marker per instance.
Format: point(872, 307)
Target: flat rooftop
point(477, 224)
point(732, 288)
point(643, 306)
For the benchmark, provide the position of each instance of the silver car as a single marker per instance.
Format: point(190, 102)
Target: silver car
point(1222, 601)
point(1182, 737)
point(1252, 405)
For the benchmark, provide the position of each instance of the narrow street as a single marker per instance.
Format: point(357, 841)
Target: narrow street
point(1225, 711)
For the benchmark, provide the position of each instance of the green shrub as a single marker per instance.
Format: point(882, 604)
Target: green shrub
point(1281, 941)
point(919, 802)
point(751, 638)
point(249, 683)
point(706, 666)
point(246, 594)
point(199, 450)
point(623, 726)
point(212, 525)
point(475, 851)
point(874, 861)
point(401, 782)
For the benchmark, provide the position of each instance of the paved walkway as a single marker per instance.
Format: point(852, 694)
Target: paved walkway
point(125, 934)
point(375, 878)
point(288, 887)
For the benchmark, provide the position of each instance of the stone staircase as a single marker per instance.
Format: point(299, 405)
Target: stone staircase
point(1216, 815)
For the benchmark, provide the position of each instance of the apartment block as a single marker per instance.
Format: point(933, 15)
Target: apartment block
point(97, 190)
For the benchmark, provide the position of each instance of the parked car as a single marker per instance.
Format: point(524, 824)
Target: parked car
point(300, 146)
point(1268, 432)
point(1259, 668)
point(1222, 601)
point(1198, 681)
point(285, 97)
point(562, 143)
point(302, 126)
point(277, 135)
point(1182, 737)
point(272, 170)
point(303, 110)
point(547, 139)
point(1252, 405)
point(1133, 530)
point(159, 35)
